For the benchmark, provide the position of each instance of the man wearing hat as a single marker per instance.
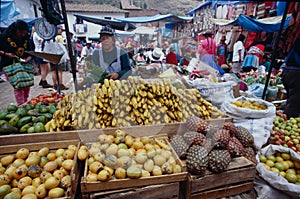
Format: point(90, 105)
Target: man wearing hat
point(114, 60)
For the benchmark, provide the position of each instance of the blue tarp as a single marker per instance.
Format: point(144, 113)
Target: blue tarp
point(191, 12)
point(6, 23)
point(159, 17)
point(270, 24)
point(118, 25)
point(8, 10)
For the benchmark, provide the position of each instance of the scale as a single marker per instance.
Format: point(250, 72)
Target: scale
point(44, 29)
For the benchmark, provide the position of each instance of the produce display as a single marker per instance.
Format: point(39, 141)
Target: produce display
point(254, 105)
point(47, 98)
point(128, 103)
point(283, 164)
point(121, 156)
point(36, 174)
point(205, 146)
point(26, 118)
point(286, 132)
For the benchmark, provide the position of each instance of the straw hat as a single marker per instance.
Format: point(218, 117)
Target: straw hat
point(156, 55)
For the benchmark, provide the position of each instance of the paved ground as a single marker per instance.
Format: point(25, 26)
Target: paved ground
point(6, 90)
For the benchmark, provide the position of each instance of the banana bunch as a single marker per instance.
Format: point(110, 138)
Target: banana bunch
point(128, 103)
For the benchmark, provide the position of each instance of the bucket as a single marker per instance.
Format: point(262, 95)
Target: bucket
point(272, 93)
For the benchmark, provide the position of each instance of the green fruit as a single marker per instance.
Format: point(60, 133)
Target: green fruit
point(32, 112)
point(30, 129)
point(291, 177)
point(8, 129)
point(25, 128)
point(4, 189)
point(279, 166)
point(262, 158)
point(52, 108)
point(21, 112)
point(12, 107)
point(3, 122)
point(39, 127)
point(24, 120)
point(3, 114)
point(271, 157)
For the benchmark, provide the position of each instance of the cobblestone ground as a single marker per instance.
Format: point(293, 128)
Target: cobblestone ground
point(7, 93)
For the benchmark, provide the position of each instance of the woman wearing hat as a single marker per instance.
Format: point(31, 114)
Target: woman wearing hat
point(114, 60)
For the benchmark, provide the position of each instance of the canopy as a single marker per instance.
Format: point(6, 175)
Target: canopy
point(270, 24)
point(8, 10)
point(118, 25)
point(159, 17)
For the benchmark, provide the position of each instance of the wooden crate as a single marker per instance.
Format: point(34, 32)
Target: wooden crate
point(238, 178)
point(11, 148)
point(170, 191)
point(90, 187)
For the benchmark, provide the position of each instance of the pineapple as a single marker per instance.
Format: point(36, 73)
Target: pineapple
point(244, 136)
point(231, 127)
point(192, 137)
point(179, 145)
point(196, 159)
point(218, 160)
point(197, 124)
point(249, 153)
point(235, 147)
point(221, 137)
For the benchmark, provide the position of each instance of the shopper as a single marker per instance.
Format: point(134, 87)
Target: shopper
point(222, 51)
point(87, 50)
point(14, 42)
point(57, 69)
point(43, 65)
point(238, 54)
point(114, 60)
point(171, 57)
point(290, 80)
point(253, 58)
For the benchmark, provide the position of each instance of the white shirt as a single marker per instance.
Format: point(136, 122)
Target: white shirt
point(37, 40)
point(86, 52)
point(236, 47)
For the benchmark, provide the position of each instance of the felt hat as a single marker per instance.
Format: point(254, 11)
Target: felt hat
point(156, 55)
point(106, 30)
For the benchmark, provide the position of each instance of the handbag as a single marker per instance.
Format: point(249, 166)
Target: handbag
point(19, 75)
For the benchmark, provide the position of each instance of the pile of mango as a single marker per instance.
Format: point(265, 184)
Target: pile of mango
point(26, 118)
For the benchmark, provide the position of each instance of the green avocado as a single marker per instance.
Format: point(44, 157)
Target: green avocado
point(30, 129)
point(3, 114)
point(25, 127)
point(21, 111)
point(24, 120)
point(3, 122)
point(12, 107)
point(32, 112)
point(39, 127)
point(6, 129)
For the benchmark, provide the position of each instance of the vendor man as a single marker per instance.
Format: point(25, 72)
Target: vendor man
point(114, 60)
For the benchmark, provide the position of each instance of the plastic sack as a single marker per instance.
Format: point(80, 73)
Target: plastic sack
point(259, 128)
point(245, 113)
point(216, 93)
point(275, 180)
point(257, 89)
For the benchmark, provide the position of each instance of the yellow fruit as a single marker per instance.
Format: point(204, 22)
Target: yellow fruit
point(22, 153)
point(6, 160)
point(20, 172)
point(282, 173)
point(290, 163)
point(109, 169)
point(297, 165)
point(271, 157)
point(72, 146)
point(262, 158)
point(149, 165)
point(274, 169)
point(137, 145)
point(43, 161)
point(29, 189)
point(159, 160)
point(293, 171)
point(157, 171)
point(285, 165)
point(59, 152)
point(43, 151)
point(59, 160)
point(120, 173)
point(56, 192)
point(68, 164)
point(91, 177)
point(123, 152)
point(52, 182)
point(141, 158)
point(291, 177)
point(18, 162)
point(279, 159)
point(41, 191)
point(29, 196)
point(44, 176)
point(82, 154)
point(95, 167)
point(4, 189)
point(134, 171)
point(10, 171)
point(65, 181)
point(112, 149)
point(24, 182)
point(33, 160)
point(145, 173)
point(279, 166)
point(36, 182)
point(177, 169)
point(103, 175)
point(58, 174)
point(50, 166)
point(285, 156)
point(51, 156)
point(270, 163)
point(69, 154)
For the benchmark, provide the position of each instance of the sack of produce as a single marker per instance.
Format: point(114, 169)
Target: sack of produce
point(254, 114)
point(280, 167)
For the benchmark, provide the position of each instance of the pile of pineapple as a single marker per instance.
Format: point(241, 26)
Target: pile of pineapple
point(122, 156)
point(211, 147)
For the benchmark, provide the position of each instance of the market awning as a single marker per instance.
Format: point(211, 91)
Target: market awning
point(269, 24)
point(8, 10)
point(159, 17)
point(118, 25)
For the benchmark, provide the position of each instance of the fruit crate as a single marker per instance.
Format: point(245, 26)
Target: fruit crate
point(92, 189)
point(170, 191)
point(10, 144)
point(238, 178)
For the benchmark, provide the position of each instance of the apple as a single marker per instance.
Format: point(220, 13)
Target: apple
point(296, 141)
point(287, 138)
point(290, 144)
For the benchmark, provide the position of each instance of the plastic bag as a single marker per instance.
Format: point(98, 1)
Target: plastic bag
point(275, 180)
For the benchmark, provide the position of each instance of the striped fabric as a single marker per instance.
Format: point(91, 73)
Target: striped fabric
point(20, 75)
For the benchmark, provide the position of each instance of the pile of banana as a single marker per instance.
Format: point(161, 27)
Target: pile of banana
point(127, 103)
